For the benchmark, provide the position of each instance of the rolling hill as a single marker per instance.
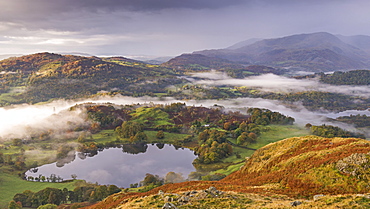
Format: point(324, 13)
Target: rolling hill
point(44, 76)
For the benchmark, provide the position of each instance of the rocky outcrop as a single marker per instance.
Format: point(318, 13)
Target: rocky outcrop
point(357, 165)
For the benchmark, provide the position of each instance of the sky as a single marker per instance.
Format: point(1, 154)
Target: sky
point(167, 27)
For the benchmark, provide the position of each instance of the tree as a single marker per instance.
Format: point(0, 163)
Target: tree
point(47, 196)
point(17, 142)
point(52, 198)
point(112, 189)
point(14, 205)
point(99, 193)
point(151, 179)
point(160, 134)
point(242, 138)
point(74, 176)
point(243, 126)
point(227, 126)
point(172, 177)
point(82, 137)
point(308, 126)
point(139, 137)
point(252, 137)
point(129, 129)
point(23, 198)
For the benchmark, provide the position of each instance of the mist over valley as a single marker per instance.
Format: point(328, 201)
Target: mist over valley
point(178, 104)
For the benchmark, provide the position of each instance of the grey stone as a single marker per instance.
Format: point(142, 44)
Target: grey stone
point(295, 203)
point(169, 205)
point(184, 199)
point(168, 199)
point(212, 189)
point(317, 197)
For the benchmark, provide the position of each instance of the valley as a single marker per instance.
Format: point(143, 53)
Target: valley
point(259, 132)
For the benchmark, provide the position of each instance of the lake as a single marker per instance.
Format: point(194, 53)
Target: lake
point(119, 166)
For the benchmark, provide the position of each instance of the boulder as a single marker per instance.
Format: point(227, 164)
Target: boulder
point(295, 203)
point(317, 197)
point(169, 205)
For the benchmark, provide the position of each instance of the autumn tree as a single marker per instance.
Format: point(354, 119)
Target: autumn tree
point(151, 179)
point(172, 177)
point(129, 129)
point(14, 205)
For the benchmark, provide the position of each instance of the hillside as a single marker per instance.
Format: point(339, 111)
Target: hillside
point(199, 63)
point(313, 52)
point(360, 41)
point(44, 76)
point(299, 167)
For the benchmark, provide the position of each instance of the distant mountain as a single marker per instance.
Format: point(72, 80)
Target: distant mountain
point(200, 62)
point(6, 56)
point(313, 52)
point(157, 60)
point(244, 43)
point(360, 41)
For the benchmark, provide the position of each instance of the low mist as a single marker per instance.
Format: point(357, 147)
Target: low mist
point(275, 83)
point(24, 121)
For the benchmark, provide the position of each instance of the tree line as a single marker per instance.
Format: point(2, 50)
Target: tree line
point(61, 196)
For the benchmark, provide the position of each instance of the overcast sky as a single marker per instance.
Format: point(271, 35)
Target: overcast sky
point(167, 27)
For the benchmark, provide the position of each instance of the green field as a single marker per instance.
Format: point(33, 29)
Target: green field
point(272, 133)
point(10, 185)
point(276, 133)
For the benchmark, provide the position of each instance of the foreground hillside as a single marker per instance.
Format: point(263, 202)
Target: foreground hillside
point(299, 167)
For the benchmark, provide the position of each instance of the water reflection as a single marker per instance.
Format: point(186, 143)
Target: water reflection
point(122, 166)
point(134, 148)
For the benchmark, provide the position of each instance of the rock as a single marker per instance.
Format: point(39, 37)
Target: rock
point(295, 203)
point(169, 206)
point(213, 191)
point(168, 199)
point(317, 197)
point(354, 164)
point(202, 194)
point(160, 192)
point(184, 199)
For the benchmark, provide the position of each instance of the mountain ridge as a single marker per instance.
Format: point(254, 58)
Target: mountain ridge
point(314, 52)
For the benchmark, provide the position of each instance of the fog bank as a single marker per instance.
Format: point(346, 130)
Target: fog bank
point(275, 83)
point(22, 121)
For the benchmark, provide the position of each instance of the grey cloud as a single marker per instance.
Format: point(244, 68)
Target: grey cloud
point(167, 27)
point(49, 6)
